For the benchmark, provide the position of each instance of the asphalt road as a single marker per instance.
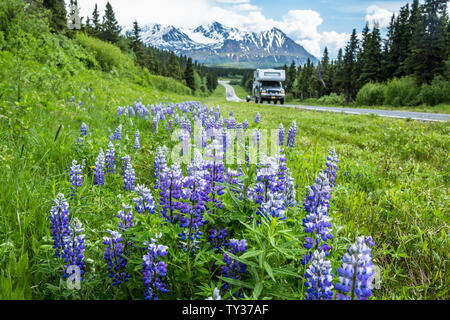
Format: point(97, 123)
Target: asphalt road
point(423, 116)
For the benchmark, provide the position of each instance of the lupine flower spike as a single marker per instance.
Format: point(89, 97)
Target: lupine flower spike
point(356, 272)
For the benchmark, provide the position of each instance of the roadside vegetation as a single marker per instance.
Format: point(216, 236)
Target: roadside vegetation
point(392, 180)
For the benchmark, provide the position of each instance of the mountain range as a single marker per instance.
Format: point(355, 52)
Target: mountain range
point(216, 44)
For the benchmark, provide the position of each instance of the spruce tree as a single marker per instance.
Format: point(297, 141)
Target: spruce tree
point(136, 43)
point(429, 43)
point(350, 67)
point(96, 25)
point(189, 74)
point(58, 20)
point(174, 70)
point(110, 27)
point(290, 76)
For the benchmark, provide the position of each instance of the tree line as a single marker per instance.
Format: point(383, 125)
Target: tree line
point(159, 62)
point(417, 45)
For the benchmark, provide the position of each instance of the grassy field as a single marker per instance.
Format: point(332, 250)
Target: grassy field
point(442, 108)
point(393, 184)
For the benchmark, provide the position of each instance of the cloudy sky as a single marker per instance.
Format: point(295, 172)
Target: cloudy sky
point(311, 23)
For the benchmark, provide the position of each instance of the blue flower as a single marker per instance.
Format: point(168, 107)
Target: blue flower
point(257, 118)
point(126, 218)
point(234, 269)
point(291, 134)
point(145, 201)
point(83, 129)
point(59, 223)
point(319, 278)
point(281, 135)
point(75, 178)
point(128, 177)
point(154, 270)
point(137, 140)
point(356, 272)
point(99, 174)
point(114, 256)
point(74, 249)
point(109, 159)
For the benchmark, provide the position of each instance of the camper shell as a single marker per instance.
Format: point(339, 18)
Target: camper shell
point(267, 86)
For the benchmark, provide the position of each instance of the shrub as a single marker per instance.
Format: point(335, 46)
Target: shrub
point(108, 56)
point(333, 99)
point(435, 93)
point(371, 94)
point(401, 92)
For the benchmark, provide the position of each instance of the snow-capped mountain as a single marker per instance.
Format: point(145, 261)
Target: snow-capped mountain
point(216, 44)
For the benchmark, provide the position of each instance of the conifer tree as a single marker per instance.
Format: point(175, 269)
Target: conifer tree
point(174, 70)
point(58, 20)
point(189, 74)
point(110, 27)
point(350, 67)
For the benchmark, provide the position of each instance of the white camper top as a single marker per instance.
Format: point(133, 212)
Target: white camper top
point(269, 75)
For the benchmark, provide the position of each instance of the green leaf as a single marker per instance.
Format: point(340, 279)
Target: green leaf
point(269, 270)
point(257, 290)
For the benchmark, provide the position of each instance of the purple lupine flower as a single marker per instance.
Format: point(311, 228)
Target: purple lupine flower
point(196, 192)
point(154, 270)
point(318, 278)
point(125, 161)
point(273, 207)
point(356, 272)
point(291, 134)
point(281, 135)
point(145, 201)
point(256, 138)
point(332, 161)
point(218, 238)
point(79, 144)
point(185, 138)
point(246, 125)
point(79, 103)
point(155, 124)
point(215, 171)
point(109, 159)
point(72, 99)
point(232, 180)
point(74, 249)
point(234, 269)
point(159, 163)
point(126, 217)
point(75, 178)
point(170, 187)
point(128, 177)
point(216, 295)
point(118, 133)
point(231, 123)
point(137, 140)
point(99, 174)
point(114, 256)
point(257, 118)
point(83, 129)
point(239, 132)
point(317, 222)
point(59, 223)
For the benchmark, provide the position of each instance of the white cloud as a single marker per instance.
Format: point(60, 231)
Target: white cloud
point(300, 25)
point(377, 15)
point(246, 7)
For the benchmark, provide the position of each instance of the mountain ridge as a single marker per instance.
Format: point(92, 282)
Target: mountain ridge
point(219, 45)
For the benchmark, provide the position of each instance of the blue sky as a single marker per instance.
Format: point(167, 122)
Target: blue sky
point(311, 23)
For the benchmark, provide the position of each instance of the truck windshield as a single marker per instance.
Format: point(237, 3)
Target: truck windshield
point(275, 84)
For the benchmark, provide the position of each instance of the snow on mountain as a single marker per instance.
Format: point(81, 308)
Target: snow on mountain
point(215, 43)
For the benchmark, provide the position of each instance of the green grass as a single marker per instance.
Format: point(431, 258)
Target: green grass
point(393, 183)
point(441, 108)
